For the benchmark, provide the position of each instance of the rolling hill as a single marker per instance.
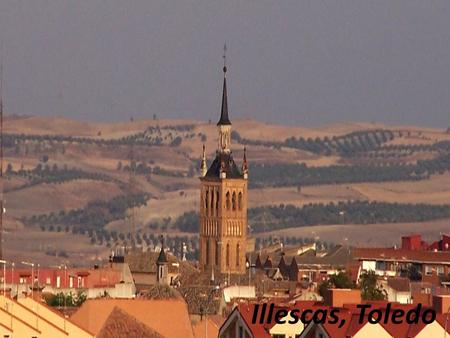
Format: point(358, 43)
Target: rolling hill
point(74, 189)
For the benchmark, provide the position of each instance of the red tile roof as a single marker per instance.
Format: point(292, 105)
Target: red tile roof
point(156, 314)
point(120, 324)
point(350, 313)
point(246, 311)
point(402, 255)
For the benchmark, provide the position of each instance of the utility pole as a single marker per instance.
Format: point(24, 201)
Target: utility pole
point(2, 207)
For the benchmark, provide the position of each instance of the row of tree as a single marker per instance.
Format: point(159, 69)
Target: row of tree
point(95, 215)
point(151, 136)
point(295, 174)
point(53, 174)
point(359, 141)
point(269, 218)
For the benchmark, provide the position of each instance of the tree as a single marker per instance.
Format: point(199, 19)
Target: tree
point(176, 142)
point(340, 280)
point(370, 289)
point(9, 168)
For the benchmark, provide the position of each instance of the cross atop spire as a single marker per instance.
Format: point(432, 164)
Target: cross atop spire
point(225, 57)
point(224, 119)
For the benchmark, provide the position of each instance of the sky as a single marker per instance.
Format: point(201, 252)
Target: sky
point(303, 62)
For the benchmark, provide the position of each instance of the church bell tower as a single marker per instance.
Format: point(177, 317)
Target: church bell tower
point(223, 203)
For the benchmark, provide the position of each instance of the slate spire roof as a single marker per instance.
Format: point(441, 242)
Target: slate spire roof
point(224, 162)
point(224, 119)
point(162, 258)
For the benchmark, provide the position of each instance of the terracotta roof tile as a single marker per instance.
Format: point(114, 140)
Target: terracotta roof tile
point(402, 255)
point(399, 284)
point(213, 322)
point(120, 324)
point(156, 314)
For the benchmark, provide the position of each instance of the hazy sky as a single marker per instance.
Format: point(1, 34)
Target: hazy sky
point(303, 61)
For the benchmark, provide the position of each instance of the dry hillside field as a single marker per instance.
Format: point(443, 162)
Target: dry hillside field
point(67, 182)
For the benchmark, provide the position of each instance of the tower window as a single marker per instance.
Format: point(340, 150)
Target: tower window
point(228, 200)
point(207, 252)
point(228, 255)
point(217, 253)
point(206, 200)
point(233, 201)
point(212, 200)
point(238, 250)
point(240, 200)
point(217, 203)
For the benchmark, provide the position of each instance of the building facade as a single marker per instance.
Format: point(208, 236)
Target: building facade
point(223, 203)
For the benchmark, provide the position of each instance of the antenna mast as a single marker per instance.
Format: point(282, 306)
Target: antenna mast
point(1, 157)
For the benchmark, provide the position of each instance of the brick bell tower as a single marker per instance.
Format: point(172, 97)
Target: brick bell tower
point(223, 203)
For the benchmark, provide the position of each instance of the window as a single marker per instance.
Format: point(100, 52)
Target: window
point(207, 252)
point(227, 196)
point(206, 200)
point(228, 255)
point(48, 281)
point(217, 202)
point(79, 282)
point(380, 265)
point(428, 270)
point(58, 281)
point(237, 254)
point(217, 253)
point(233, 201)
point(212, 200)
point(440, 270)
point(240, 201)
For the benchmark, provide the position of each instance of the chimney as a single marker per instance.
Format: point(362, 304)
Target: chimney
point(339, 297)
point(441, 303)
point(412, 242)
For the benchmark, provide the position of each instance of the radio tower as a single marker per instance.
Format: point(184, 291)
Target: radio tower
point(131, 197)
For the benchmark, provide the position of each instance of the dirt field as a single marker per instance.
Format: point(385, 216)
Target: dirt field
point(32, 245)
point(433, 191)
point(46, 198)
point(171, 196)
point(369, 235)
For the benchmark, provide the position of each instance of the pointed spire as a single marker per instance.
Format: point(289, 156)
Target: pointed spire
point(203, 166)
point(244, 163)
point(162, 258)
point(224, 119)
